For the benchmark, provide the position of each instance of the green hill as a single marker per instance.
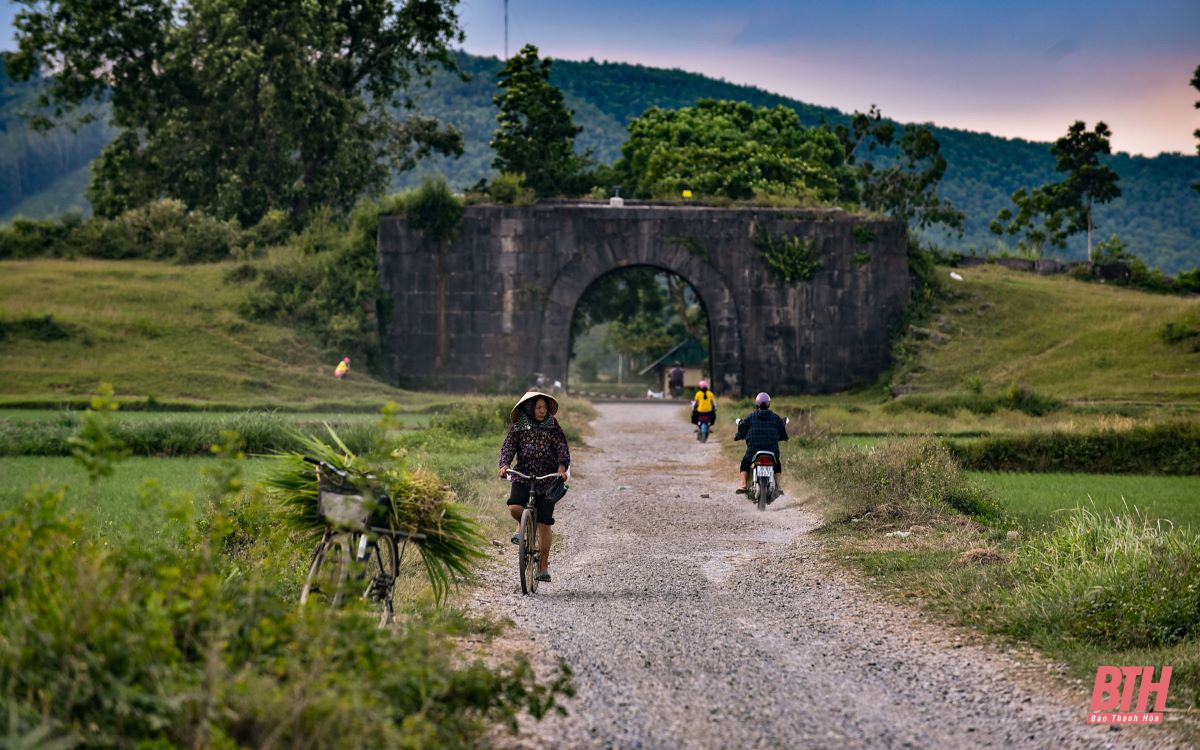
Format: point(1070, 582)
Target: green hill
point(1158, 215)
point(158, 330)
point(1069, 339)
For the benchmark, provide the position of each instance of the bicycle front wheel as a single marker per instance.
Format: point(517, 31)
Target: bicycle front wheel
point(382, 569)
point(527, 552)
point(326, 582)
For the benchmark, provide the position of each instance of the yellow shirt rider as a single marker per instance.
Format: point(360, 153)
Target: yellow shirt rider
point(704, 402)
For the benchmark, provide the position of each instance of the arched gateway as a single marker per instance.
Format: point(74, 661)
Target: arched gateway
point(494, 306)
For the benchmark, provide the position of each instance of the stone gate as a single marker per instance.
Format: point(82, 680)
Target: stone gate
point(494, 306)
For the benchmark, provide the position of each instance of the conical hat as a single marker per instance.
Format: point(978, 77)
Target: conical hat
point(550, 401)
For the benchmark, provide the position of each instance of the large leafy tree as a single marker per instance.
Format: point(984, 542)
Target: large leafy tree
point(730, 149)
point(1054, 212)
point(903, 183)
point(241, 106)
point(536, 133)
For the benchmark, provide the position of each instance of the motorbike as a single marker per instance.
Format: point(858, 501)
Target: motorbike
point(763, 489)
point(703, 426)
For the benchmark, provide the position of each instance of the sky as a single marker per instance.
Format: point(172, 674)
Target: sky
point(1019, 68)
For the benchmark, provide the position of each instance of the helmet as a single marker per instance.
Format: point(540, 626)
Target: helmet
point(762, 399)
point(346, 360)
point(702, 385)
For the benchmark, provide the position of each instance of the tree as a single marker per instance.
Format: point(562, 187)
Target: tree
point(242, 106)
point(536, 135)
point(903, 186)
point(1064, 208)
point(1196, 132)
point(729, 149)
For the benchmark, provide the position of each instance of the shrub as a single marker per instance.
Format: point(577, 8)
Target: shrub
point(35, 327)
point(470, 420)
point(162, 230)
point(510, 188)
point(1170, 448)
point(1018, 398)
point(178, 435)
point(917, 480)
point(790, 257)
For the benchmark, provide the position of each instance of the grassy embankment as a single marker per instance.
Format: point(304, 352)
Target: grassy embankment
point(160, 331)
point(1102, 568)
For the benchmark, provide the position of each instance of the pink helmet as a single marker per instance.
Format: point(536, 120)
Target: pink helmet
point(762, 399)
point(702, 385)
point(346, 360)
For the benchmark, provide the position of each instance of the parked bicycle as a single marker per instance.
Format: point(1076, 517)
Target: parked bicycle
point(529, 555)
point(354, 556)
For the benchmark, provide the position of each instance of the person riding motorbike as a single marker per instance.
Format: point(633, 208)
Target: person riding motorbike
point(704, 402)
point(762, 430)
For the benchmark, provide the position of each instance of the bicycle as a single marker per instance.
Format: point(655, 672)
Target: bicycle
point(376, 551)
point(529, 556)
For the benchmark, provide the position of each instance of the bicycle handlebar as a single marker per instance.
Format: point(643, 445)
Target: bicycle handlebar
point(514, 472)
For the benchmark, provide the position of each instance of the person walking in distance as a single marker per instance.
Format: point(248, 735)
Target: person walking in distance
point(675, 380)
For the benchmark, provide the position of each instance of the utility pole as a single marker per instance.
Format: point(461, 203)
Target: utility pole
point(505, 30)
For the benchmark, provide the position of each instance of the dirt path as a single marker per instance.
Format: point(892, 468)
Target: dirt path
point(693, 621)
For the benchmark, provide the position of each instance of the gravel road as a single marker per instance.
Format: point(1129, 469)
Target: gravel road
point(691, 620)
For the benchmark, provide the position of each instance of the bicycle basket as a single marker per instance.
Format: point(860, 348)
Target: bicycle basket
point(343, 510)
point(556, 491)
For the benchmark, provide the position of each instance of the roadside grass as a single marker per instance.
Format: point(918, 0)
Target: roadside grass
point(164, 332)
point(1085, 584)
point(188, 433)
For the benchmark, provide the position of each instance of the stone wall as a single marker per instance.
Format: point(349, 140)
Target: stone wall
point(495, 306)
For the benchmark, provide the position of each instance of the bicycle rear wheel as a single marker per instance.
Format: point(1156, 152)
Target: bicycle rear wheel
point(382, 568)
point(527, 552)
point(326, 582)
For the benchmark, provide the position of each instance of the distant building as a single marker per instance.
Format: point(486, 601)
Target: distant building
point(691, 354)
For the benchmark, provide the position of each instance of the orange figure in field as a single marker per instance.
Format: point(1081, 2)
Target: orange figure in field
point(342, 368)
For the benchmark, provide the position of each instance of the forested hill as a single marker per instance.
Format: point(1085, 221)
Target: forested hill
point(1158, 214)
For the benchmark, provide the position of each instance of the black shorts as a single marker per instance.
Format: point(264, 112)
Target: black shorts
point(520, 496)
point(746, 459)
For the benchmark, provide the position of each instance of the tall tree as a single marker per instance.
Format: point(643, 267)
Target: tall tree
point(536, 133)
point(1065, 208)
point(240, 106)
point(729, 149)
point(905, 185)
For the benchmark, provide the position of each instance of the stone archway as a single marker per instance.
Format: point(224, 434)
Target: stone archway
point(488, 310)
point(725, 347)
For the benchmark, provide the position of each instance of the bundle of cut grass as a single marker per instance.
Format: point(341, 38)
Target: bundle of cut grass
point(420, 504)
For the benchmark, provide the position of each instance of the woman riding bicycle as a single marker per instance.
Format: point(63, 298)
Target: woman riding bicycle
point(538, 443)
